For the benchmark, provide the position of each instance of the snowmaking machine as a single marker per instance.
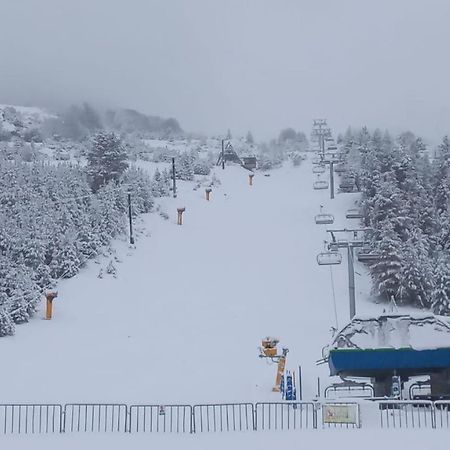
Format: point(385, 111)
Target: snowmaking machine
point(269, 350)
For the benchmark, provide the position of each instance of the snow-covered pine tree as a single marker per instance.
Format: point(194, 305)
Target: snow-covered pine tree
point(185, 167)
point(7, 327)
point(442, 177)
point(160, 185)
point(107, 160)
point(416, 280)
point(386, 272)
point(440, 298)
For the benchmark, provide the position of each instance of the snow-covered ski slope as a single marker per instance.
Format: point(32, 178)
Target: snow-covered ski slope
point(183, 320)
point(315, 440)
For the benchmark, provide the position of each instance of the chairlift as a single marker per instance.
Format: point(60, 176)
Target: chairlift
point(353, 213)
point(329, 258)
point(323, 218)
point(320, 184)
point(347, 185)
point(318, 169)
point(332, 147)
point(340, 168)
point(333, 247)
point(368, 256)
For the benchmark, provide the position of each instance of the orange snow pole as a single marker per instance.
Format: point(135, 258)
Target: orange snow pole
point(208, 193)
point(180, 215)
point(50, 296)
point(280, 371)
point(250, 179)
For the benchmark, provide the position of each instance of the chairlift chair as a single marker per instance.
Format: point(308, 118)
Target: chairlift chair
point(317, 160)
point(368, 256)
point(353, 213)
point(332, 147)
point(323, 218)
point(318, 169)
point(329, 258)
point(340, 168)
point(320, 184)
point(347, 185)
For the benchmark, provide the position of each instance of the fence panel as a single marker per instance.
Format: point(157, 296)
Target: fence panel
point(223, 417)
point(285, 415)
point(160, 419)
point(407, 414)
point(442, 413)
point(95, 417)
point(30, 418)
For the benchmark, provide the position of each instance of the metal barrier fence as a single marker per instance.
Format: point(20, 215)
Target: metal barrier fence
point(223, 417)
point(285, 415)
point(354, 390)
point(407, 414)
point(30, 418)
point(442, 414)
point(99, 417)
point(160, 418)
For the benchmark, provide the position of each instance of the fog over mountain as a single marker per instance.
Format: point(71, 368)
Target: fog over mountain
point(255, 65)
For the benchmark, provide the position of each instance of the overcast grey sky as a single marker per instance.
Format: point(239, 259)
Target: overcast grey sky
point(257, 65)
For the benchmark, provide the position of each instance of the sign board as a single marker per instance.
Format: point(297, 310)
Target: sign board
point(341, 413)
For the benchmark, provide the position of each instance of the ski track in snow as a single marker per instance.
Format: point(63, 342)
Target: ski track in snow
point(183, 320)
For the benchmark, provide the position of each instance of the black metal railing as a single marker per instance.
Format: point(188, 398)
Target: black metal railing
point(31, 418)
point(285, 415)
point(95, 417)
point(160, 419)
point(223, 417)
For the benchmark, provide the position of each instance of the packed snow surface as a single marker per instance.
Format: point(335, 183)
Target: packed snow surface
point(323, 439)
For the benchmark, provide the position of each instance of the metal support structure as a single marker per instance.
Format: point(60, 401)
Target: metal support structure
point(223, 154)
point(174, 186)
point(300, 385)
point(349, 245)
point(351, 281)
point(130, 218)
point(331, 179)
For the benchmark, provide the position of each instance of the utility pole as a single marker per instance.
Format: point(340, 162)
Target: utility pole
point(331, 162)
point(351, 281)
point(331, 179)
point(349, 245)
point(174, 185)
point(130, 219)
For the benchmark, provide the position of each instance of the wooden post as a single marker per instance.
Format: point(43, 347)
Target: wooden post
point(50, 296)
point(180, 215)
point(250, 179)
point(208, 192)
